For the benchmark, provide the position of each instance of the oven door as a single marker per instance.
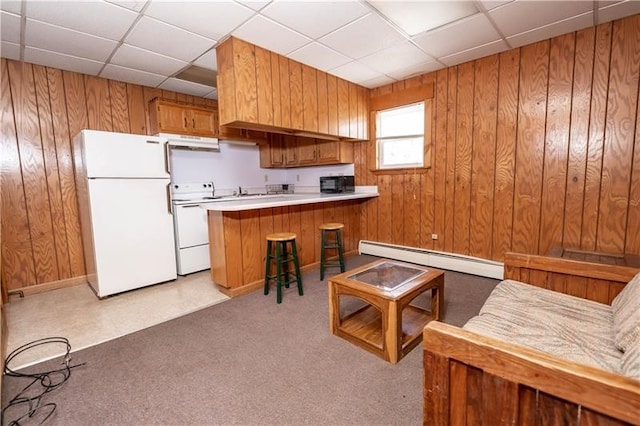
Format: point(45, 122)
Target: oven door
point(191, 226)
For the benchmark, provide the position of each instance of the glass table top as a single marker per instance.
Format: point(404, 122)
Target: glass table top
point(387, 275)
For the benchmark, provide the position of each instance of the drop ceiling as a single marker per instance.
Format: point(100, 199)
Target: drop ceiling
point(371, 43)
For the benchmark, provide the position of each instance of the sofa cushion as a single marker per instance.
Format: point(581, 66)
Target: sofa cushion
point(569, 327)
point(626, 314)
point(631, 360)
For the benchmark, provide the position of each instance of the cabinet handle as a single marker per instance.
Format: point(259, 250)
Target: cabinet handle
point(193, 121)
point(185, 123)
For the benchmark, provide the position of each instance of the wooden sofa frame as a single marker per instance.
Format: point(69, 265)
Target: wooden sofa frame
point(475, 380)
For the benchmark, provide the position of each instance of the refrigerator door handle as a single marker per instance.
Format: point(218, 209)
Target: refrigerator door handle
point(167, 163)
point(169, 203)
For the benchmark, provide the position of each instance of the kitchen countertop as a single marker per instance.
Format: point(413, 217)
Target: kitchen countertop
point(265, 201)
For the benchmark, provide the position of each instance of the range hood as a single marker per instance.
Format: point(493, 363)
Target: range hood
point(191, 142)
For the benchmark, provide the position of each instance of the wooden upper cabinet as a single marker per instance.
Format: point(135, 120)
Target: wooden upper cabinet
point(295, 92)
point(173, 117)
point(310, 98)
point(306, 150)
point(261, 90)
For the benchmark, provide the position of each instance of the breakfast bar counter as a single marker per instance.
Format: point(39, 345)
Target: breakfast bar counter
point(238, 230)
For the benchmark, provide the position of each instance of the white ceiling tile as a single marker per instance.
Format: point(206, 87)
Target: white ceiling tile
point(446, 41)
point(91, 17)
point(115, 72)
point(377, 82)
point(13, 6)
point(520, 16)
point(10, 50)
point(211, 19)
point(396, 57)
point(548, 31)
point(416, 17)
point(9, 27)
point(212, 95)
point(314, 19)
point(492, 4)
point(208, 60)
point(63, 40)
point(355, 72)
point(416, 70)
point(270, 35)
point(319, 56)
point(168, 40)
point(144, 60)
point(182, 86)
point(618, 10)
point(362, 37)
point(255, 4)
point(475, 53)
point(61, 61)
point(133, 5)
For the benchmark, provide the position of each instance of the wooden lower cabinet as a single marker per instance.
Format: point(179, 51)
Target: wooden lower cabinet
point(238, 245)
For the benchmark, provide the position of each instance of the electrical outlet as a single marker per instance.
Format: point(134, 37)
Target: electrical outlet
point(434, 236)
point(266, 178)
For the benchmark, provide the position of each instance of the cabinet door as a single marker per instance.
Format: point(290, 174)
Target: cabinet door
point(344, 119)
point(328, 151)
point(290, 148)
point(295, 85)
point(310, 98)
point(171, 118)
point(202, 122)
point(306, 150)
point(276, 151)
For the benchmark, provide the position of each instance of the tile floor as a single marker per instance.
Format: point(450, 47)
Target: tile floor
point(77, 314)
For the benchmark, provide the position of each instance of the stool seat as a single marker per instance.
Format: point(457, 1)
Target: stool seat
point(282, 259)
point(335, 244)
point(331, 226)
point(281, 236)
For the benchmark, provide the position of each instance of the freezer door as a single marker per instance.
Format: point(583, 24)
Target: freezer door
point(132, 234)
point(121, 155)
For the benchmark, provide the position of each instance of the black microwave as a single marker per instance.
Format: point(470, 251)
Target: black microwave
point(337, 184)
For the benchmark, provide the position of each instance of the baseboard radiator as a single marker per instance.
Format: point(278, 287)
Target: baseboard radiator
point(437, 259)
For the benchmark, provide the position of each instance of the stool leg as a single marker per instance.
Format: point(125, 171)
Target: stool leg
point(322, 257)
point(279, 272)
point(267, 268)
point(296, 264)
point(340, 251)
point(285, 255)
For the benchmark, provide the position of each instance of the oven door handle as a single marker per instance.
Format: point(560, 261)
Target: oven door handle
point(188, 206)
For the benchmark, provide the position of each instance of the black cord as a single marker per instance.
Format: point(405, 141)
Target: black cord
point(41, 383)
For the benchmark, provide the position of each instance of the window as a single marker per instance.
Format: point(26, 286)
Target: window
point(400, 136)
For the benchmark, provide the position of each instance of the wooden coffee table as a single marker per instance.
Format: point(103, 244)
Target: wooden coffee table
point(388, 325)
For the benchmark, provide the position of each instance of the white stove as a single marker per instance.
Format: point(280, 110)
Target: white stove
point(190, 225)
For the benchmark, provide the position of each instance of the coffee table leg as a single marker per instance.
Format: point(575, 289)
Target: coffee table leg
point(437, 300)
point(392, 325)
point(334, 308)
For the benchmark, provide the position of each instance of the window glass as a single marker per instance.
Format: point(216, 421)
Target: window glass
point(400, 136)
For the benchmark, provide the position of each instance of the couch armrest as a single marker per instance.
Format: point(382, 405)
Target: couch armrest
point(473, 379)
point(593, 281)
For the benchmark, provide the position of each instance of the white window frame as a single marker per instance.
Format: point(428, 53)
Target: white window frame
point(381, 142)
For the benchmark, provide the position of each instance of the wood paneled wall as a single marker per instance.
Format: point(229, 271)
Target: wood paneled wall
point(41, 110)
point(535, 147)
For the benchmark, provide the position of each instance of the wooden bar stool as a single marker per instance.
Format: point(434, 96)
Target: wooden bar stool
point(282, 259)
point(328, 243)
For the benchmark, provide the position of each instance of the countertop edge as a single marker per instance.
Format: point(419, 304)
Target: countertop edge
point(285, 200)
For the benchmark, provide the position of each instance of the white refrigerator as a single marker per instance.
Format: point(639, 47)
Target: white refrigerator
point(122, 183)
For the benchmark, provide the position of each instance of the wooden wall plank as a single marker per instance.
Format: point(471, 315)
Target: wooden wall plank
point(309, 98)
point(344, 119)
point(619, 135)
point(76, 103)
point(17, 259)
point(411, 211)
point(632, 244)
point(307, 234)
point(323, 105)
point(440, 155)
point(483, 156)
point(385, 203)
point(597, 118)
point(119, 106)
point(506, 132)
point(56, 202)
point(66, 171)
point(34, 177)
point(450, 160)
point(397, 208)
point(578, 136)
point(559, 94)
point(136, 108)
point(252, 254)
point(275, 85)
point(332, 103)
point(285, 92)
point(534, 63)
point(463, 141)
point(98, 103)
